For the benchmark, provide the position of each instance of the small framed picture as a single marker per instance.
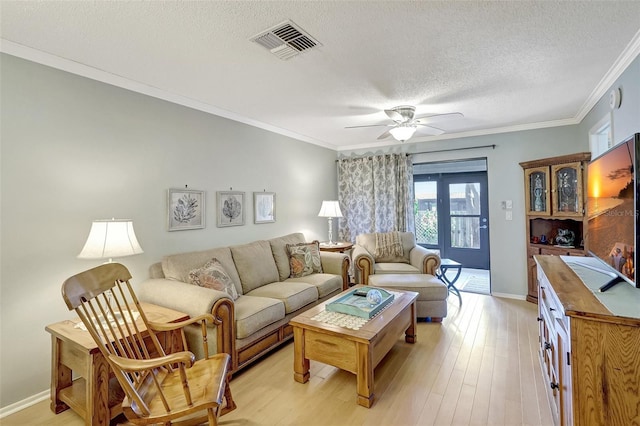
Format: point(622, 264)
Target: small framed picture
point(185, 209)
point(264, 207)
point(230, 208)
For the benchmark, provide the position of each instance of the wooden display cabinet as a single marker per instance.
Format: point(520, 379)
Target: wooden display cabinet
point(554, 200)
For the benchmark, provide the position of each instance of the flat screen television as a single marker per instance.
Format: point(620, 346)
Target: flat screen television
point(613, 202)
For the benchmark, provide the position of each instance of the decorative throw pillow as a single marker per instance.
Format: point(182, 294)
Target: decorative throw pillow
point(304, 259)
point(212, 275)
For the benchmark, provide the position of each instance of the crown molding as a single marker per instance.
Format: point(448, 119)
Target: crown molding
point(627, 56)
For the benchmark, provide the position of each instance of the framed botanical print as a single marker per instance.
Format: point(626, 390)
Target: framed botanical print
point(230, 208)
point(186, 209)
point(264, 207)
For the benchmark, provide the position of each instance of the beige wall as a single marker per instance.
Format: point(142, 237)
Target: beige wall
point(74, 150)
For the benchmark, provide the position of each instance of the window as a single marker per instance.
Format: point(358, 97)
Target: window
point(601, 136)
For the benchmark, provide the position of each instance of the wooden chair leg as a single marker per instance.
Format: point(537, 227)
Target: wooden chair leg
point(229, 405)
point(213, 416)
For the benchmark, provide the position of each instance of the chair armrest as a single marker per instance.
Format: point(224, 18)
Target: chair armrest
point(425, 260)
point(337, 264)
point(169, 326)
point(201, 320)
point(364, 263)
point(128, 364)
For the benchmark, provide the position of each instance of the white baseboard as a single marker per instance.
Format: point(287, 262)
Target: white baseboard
point(27, 402)
point(509, 296)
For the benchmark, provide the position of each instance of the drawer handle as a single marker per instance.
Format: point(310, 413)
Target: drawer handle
point(552, 309)
point(547, 346)
point(540, 319)
point(554, 386)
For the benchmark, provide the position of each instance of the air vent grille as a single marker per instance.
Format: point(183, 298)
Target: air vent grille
point(285, 40)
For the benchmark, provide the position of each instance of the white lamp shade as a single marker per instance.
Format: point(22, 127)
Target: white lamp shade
point(402, 133)
point(111, 238)
point(330, 209)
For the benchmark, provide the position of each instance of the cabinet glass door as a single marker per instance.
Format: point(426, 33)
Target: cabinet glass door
point(567, 189)
point(537, 191)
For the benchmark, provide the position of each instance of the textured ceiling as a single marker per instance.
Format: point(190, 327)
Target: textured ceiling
point(504, 65)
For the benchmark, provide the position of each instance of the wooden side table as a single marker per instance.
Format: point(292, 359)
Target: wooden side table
point(339, 247)
point(74, 351)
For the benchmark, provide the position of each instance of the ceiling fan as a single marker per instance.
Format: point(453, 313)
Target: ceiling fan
point(405, 124)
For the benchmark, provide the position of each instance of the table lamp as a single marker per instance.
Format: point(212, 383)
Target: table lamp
point(330, 209)
point(109, 239)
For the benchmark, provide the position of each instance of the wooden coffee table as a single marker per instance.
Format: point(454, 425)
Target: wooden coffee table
point(356, 351)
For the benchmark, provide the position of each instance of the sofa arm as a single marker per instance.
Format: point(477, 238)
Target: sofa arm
point(337, 264)
point(364, 262)
point(194, 301)
point(183, 297)
point(425, 260)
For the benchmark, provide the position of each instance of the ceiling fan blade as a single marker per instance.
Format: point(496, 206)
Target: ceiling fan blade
point(429, 130)
point(394, 115)
point(369, 125)
point(384, 135)
point(438, 117)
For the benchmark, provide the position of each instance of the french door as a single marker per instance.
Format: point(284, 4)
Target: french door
point(452, 216)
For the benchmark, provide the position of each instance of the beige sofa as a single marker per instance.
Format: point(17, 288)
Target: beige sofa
point(257, 321)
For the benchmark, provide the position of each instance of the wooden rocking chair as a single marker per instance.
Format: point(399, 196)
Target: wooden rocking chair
point(159, 388)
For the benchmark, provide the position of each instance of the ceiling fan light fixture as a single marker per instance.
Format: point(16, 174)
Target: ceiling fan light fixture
point(403, 132)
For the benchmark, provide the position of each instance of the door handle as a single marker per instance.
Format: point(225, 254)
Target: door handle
point(483, 226)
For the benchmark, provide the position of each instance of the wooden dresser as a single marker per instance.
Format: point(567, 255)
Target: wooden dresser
point(590, 353)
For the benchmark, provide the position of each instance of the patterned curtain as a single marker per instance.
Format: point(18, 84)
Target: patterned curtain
point(375, 195)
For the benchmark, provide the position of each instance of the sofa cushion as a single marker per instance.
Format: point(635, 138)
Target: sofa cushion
point(395, 268)
point(325, 283)
point(304, 259)
point(213, 275)
point(178, 266)
point(253, 313)
point(368, 241)
point(280, 254)
point(294, 295)
point(255, 265)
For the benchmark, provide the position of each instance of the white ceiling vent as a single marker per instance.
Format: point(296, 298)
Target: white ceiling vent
point(285, 40)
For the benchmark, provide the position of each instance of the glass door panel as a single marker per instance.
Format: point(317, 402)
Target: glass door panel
point(426, 212)
point(465, 232)
point(567, 193)
point(537, 195)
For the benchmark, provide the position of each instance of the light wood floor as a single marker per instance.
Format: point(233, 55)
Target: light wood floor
point(479, 367)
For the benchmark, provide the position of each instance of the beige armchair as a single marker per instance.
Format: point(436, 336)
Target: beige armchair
point(415, 259)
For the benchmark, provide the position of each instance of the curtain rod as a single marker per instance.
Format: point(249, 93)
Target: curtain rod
point(454, 149)
point(439, 150)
